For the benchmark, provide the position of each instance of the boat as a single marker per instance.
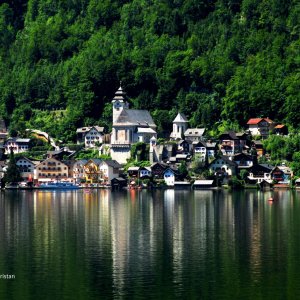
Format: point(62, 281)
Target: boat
point(59, 185)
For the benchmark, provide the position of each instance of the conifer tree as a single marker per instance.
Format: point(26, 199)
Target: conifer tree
point(12, 174)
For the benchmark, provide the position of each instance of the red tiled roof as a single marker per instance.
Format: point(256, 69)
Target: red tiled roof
point(279, 126)
point(268, 120)
point(255, 121)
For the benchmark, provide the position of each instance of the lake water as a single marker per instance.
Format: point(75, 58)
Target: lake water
point(150, 245)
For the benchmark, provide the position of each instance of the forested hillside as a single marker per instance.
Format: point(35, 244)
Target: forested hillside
point(220, 62)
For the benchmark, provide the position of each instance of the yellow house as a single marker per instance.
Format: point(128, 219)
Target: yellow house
point(91, 171)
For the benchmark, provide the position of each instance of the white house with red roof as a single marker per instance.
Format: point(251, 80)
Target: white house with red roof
point(260, 126)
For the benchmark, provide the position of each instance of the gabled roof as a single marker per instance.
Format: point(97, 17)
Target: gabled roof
point(285, 169)
point(233, 135)
point(82, 161)
point(18, 140)
point(135, 117)
point(241, 135)
point(211, 145)
point(50, 158)
point(279, 126)
point(133, 168)
point(242, 155)
point(226, 161)
point(96, 161)
point(23, 157)
point(194, 132)
point(145, 130)
point(163, 165)
point(174, 171)
point(112, 163)
point(267, 166)
point(255, 121)
point(180, 118)
point(119, 179)
point(87, 129)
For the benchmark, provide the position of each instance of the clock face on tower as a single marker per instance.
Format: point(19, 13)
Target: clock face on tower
point(117, 105)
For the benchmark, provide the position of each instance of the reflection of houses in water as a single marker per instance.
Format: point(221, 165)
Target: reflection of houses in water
point(174, 216)
point(120, 239)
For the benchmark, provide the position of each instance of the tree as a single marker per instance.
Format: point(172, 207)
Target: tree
point(12, 174)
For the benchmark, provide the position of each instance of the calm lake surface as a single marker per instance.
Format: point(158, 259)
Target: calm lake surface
point(150, 245)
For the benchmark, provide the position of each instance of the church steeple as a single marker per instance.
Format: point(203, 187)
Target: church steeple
point(180, 125)
point(119, 102)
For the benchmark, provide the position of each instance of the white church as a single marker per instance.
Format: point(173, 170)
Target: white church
point(129, 126)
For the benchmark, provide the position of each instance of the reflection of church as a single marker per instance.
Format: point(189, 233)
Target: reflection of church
point(129, 126)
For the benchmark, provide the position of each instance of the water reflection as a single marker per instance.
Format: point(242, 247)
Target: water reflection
point(160, 244)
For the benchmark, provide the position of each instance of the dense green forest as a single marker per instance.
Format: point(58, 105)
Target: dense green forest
point(218, 61)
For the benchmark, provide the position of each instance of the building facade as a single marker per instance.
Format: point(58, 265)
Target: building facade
point(129, 126)
point(51, 169)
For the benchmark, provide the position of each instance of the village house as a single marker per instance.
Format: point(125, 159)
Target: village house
point(78, 170)
point(70, 163)
point(129, 126)
point(133, 171)
point(204, 150)
point(259, 148)
point(145, 172)
point(158, 169)
point(169, 177)
point(139, 172)
point(260, 172)
point(118, 183)
point(280, 129)
point(51, 169)
point(287, 173)
point(223, 166)
point(17, 145)
point(277, 175)
point(244, 161)
point(26, 168)
point(194, 134)
point(260, 126)
point(109, 169)
point(89, 135)
point(183, 147)
point(180, 125)
point(61, 153)
point(232, 143)
point(91, 171)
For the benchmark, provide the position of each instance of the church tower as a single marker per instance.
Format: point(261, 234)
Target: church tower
point(119, 103)
point(152, 150)
point(180, 125)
